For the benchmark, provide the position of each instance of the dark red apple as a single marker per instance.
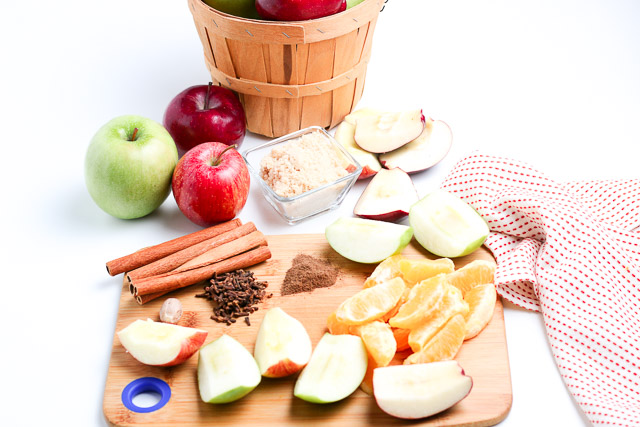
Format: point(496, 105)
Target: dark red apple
point(205, 114)
point(298, 10)
point(211, 183)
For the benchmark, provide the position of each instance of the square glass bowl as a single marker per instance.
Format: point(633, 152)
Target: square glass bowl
point(312, 202)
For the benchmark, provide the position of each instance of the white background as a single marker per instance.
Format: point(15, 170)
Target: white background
point(556, 83)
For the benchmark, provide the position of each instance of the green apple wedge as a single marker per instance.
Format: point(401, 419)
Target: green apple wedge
point(336, 369)
point(447, 226)
point(128, 166)
point(367, 241)
point(226, 371)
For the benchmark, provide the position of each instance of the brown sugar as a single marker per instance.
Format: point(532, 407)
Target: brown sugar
point(308, 273)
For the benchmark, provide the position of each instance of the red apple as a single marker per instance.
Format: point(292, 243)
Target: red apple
point(298, 10)
point(211, 183)
point(160, 344)
point(205, 114)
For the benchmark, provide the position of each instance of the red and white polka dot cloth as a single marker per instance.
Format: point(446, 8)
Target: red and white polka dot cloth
point(568, 251)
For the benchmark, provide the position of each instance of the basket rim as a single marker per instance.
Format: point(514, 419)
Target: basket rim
point(288, 32)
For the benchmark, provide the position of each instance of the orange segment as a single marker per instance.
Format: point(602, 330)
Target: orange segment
point(482, 301)
point(379, 341)
point(444, 345)
point(402, 338)
point(423, 298)
point(451, 305)
point(477, 272)
point(416, 270)
point(394, 310)
point(371, 303)
point(385, 271)
point(367, 382)
point(335, 327)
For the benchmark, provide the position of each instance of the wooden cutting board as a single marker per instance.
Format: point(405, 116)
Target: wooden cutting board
point(484, 357)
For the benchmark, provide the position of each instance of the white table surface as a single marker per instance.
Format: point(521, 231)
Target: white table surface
point(556, 83)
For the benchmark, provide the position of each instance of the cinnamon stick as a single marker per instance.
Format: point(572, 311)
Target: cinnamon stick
point(154, 253)
point(179, 279)
point(225, 251)
point(143, 299)
point(177, 259)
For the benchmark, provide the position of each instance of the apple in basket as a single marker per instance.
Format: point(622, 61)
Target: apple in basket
point(298, 10)
point(241, 8)
point(205, 113)
point(211, 183)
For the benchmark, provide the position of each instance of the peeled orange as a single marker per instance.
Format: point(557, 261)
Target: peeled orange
point(477, 272)
point(451, 305)
point(444, 345)
point(482, 301)
point(335, 327)
point(402, 338)
point(423, 298)
point(385, 271)
point(379, 341)
point(416, 270)
point(371, 303)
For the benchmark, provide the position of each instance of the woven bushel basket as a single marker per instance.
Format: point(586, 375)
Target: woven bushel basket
point(289, 75)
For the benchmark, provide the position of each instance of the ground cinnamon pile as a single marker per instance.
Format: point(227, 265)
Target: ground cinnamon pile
point(235, 294)
point(308, 273)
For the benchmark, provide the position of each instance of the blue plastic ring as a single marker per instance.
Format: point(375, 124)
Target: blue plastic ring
point(144, 385)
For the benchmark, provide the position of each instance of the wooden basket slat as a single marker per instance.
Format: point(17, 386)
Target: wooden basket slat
point(302, 59)
point(369, 39)
point(284, 68)
point(343, 61)
point(249, 63)
point(222, 56)
point(316, 110)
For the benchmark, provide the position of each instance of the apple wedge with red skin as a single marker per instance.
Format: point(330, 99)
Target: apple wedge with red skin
point(298, 10)
point(388, 197)
point(420, 390)
point(381, 133)
point(425, 151)
point(160, 344)
point(283, 346)
point(369, 162)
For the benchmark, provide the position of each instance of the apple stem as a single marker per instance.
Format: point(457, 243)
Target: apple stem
point(206, 99)
point(218, 159)
point(133, 136)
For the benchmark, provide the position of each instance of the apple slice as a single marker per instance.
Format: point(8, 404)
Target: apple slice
point(447, 226)
point(380, 133)
point(160, 344)
point(283, 346)
point(363, 112)
point(336, 369)
point(369, 162)
point(367, 241)
point(421, 390)
point(388, 197)
point(226, 371)
point(425, 151)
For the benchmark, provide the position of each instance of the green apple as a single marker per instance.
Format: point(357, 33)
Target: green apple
point(128, 166)
point(226, 371)
point(447, 226)
point(241, 8)
point(335, 370)
point(367, 241)
point(351, 3)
